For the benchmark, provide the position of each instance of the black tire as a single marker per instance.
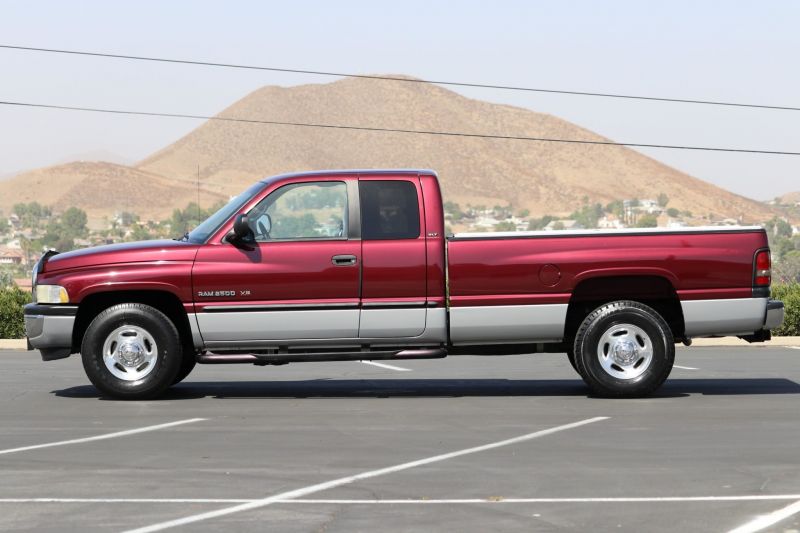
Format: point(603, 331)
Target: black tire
point(168, 351)
point(656, 343)
point(571, 358)
point(188, 363)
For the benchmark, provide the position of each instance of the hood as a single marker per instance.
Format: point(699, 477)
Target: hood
point(128, 252)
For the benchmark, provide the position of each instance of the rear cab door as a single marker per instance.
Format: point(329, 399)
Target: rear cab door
point(394, 259)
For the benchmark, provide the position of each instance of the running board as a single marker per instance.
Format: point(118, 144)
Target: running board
point(281, 358)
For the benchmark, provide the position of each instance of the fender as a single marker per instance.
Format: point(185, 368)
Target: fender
point(626, 271)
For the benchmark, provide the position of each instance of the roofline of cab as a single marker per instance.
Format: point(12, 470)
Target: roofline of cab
point(350, 172)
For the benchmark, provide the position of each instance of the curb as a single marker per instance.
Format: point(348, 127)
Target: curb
point(733, 341)
point(13, 344)
point(20, 344)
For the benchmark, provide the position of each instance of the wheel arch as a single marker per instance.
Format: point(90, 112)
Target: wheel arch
point(655, 291)
point(165, 301)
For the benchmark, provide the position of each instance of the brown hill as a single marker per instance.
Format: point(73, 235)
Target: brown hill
point(102, 189)
point(544, 177)
point(790, 198)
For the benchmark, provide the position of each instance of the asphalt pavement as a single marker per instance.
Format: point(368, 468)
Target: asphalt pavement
point(461, 444)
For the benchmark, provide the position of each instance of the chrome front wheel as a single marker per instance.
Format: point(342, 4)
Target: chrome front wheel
point(130, 353)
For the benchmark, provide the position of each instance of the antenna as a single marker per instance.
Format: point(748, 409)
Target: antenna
point(198, 191)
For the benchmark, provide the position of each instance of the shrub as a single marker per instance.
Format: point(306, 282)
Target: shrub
point(789, 294)
point(12, 321)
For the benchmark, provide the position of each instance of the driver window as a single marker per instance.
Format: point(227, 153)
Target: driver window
point(302, 211)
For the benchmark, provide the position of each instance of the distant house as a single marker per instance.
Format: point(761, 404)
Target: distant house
point(610, 222)
point(564, 224)
point(486, 221)
point(10, 256)
point(676, 223)
point(650, 206)
point(23, 283)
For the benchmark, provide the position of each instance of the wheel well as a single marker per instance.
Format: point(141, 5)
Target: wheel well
point(653, 291)
point(166, 302)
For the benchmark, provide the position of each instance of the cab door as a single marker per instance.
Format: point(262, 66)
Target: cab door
point(299, 280)
point(394, 285)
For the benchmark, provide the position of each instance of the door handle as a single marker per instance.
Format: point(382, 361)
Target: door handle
point(343, 260)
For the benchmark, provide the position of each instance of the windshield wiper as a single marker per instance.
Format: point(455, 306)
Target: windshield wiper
point(185, 238)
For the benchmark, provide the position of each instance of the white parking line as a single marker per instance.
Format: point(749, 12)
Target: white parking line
point(685, 367)
point(102, 437)
point(493, 500)
point(305, 491)
point(763, 522)
point(794, 347)
point(384, 365)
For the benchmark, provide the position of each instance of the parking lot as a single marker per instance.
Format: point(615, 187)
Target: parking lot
point(461, 444)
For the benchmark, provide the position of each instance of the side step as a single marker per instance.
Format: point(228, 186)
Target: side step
point(281, 358)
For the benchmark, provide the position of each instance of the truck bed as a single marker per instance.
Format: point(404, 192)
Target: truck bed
point(531, 277)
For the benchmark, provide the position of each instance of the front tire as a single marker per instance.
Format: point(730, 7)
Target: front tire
point(131, 351)
point(624, 349)
point(188, 363)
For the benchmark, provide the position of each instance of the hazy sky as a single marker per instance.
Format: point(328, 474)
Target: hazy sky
point(731, 51)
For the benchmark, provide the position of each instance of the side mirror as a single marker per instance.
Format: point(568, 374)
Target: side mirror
point(242, 232)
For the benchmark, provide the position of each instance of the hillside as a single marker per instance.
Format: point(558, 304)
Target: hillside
point(101, 189)
point(543, 177)
point(791, 198)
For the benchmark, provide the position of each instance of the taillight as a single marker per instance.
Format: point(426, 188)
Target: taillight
point(762, 275)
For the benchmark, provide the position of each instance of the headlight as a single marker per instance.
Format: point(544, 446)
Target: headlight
point(51, 294)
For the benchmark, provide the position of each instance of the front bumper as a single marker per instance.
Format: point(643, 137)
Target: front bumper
point(49, 329)
point(774, 314)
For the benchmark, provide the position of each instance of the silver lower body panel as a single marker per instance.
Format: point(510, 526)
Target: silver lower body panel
point(734, 316)
point(507, 324)
point(49, 331)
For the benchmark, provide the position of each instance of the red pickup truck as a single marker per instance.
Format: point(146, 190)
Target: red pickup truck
point(355, 265)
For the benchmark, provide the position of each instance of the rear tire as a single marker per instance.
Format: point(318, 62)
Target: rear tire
point(624, 349)
point(131, 351)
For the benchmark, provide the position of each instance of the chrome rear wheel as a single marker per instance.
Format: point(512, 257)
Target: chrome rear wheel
point(625, 351)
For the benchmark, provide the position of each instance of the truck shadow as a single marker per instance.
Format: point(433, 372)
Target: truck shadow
point(442, 388)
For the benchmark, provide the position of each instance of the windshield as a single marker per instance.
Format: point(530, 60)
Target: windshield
point(204, 230)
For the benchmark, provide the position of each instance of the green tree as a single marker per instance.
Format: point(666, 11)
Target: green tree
point(588, 215)
point(778, 227)
point(505, 226)
point(662, 199)
point(74, 222)
point(787, 268)
point(454, 210)
point(140, 233)
point(536, 224)
point(20, 209)
point(647, 221)
point(524, 213)
point(674, 213)
point(615, 208)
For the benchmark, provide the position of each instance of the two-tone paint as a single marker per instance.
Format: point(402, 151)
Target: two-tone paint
point(430, 291)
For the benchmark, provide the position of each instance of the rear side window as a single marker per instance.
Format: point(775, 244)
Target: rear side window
point(389, 210)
